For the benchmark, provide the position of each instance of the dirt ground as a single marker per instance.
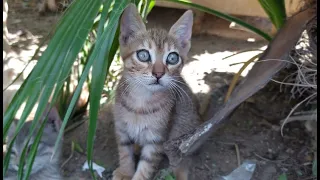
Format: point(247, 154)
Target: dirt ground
point(252, 133)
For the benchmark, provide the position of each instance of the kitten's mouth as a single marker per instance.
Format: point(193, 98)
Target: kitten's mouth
point(156, 84)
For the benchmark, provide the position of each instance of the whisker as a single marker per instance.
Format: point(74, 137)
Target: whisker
point(179, 92)
point(132, 85)
point(183, 83)
point(186, 94)
point(173, 91)
point(122, 82)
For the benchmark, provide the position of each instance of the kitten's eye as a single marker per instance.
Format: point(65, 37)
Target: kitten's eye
point(143, 55)
point(173, 58)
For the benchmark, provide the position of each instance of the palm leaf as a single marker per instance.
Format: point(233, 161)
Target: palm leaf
point(276, 11)
point(52, 68)
point(104, 44)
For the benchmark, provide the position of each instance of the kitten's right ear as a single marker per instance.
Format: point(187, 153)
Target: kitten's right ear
point(131, 23)
point(182, 31)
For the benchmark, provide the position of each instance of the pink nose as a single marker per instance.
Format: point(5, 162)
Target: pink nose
point(158, 75)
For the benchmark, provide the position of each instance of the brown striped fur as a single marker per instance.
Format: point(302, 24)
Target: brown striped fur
point(153, 103)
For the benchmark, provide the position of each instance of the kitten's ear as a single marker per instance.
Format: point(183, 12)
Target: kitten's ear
point(130, 24)
point(54, 120)
point(182, 30)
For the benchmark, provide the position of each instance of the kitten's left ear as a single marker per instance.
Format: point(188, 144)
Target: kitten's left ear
point(182, 30)
point(130, 24)
point(54, 120)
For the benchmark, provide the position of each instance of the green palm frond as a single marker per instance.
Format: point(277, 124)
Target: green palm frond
point(276, 11)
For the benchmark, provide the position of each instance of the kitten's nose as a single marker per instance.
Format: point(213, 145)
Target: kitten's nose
point(158, 75)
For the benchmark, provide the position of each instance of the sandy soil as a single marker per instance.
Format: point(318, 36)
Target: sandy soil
point(253, 128)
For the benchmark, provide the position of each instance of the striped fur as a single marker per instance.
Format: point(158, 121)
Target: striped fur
point(148, 111)
point(43, 167)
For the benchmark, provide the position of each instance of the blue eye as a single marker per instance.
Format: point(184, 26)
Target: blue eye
point(143, 55)
point(173, 58)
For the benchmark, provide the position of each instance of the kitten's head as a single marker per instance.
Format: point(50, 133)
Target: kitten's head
point(153, 58)
point(46, 144)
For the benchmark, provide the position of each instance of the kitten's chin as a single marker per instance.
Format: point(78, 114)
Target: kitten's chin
point(156, 87)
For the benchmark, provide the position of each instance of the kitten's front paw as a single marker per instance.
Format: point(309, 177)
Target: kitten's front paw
point(118, 175)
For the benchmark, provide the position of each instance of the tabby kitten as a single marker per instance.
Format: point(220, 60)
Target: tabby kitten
point(43, 167)
point(153, 102)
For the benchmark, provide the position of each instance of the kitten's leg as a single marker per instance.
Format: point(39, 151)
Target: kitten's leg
point(151, 155)
point(126, 168)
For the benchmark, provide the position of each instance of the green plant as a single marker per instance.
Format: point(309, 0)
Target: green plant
point(314, 168)
point(276, 11)
point(282, 177)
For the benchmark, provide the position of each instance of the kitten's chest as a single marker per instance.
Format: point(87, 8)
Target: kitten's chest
point(144, 118)
point(144, 131)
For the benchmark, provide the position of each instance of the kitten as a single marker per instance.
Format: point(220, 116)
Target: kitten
point(153, 103)
point(43, 167)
